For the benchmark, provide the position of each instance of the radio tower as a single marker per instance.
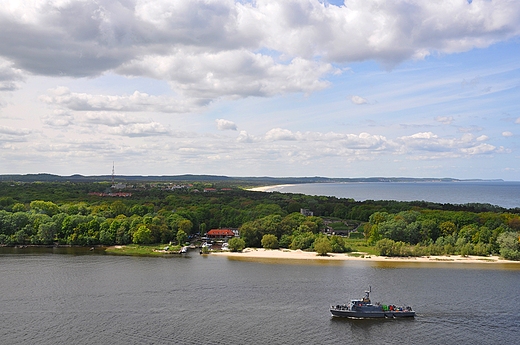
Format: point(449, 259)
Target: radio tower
point(113, 172)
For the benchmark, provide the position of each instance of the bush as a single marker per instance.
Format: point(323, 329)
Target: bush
point(385, 246)
point(388, 247)
point(339, 245)
point(269, 241)
point(509, 245)
point(302, 241)
point(285, 241)
point(236, 244)
point(322, 245)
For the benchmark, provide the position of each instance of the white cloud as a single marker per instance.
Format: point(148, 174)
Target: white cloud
point(479, 149)
point(358, 100)
point(11, 135)
point(380, 29)
point(141, 130)
point(209, 49)
point(204, 76)
point(138, 101)
point(111, 61)
point(223, 125)
point(244, 137)
point(14, 131)
point(470, 129)
point(277, 134)
point(106, 118)
point(9, 76)
point(430, 142)
point(445, 120)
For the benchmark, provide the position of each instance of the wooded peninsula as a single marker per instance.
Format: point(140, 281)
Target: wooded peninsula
point(90, 212)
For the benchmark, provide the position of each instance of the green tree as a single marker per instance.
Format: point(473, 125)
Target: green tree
point(322, 245)
point(46, 232)
point(182, 237)
point(285, 241)
point(185, 225)
point(291, 222)
point(514, 223)
point(302, 241)
point(249, 233)
point(143, 235)
point(118, 207)
point(379, 217)
point(447, 228)
point(202, 229)
point(385, 247)
point(236, 244)
point(509, 245)
point(19, 207)
point(372, 233)
point(6, 202)
point(20, 236)
point(47, 207)
point(269, 241)
point(264, 210)
point(20, 219)
point(339, 245)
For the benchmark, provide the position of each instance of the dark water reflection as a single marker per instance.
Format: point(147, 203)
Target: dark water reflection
point(87, 298)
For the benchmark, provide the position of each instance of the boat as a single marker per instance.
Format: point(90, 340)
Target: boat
point(363, 308)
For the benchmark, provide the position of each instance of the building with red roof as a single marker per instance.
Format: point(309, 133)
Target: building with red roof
point(220, 233)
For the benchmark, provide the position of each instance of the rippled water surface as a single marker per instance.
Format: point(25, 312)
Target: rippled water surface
point(504, 194)
point(101, 299)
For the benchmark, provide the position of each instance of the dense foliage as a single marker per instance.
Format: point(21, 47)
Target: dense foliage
point(433, 232)
point(65, 213)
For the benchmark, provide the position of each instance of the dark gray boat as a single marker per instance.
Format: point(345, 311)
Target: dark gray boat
point(363, 308)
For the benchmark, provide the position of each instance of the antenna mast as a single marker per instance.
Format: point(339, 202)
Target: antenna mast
point(113, 172)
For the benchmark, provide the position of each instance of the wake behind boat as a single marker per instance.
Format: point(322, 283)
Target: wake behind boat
point(363, 308)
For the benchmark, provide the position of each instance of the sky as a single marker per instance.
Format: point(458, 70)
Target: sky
point(360, 88)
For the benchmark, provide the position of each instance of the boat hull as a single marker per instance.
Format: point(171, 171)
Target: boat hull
point(371, 314)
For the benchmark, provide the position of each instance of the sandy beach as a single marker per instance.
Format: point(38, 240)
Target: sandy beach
point(269, 188)
point(261, 253)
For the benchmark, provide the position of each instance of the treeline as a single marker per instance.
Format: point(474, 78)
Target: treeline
point(65, 213)
point(433, 232)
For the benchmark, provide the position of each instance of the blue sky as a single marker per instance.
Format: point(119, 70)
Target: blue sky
point(261, 88)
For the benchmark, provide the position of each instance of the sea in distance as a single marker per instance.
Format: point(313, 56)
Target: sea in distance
point(503, 194)
point(74, 296)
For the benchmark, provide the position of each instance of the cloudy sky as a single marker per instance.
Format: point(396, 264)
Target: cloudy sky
point(358, 88)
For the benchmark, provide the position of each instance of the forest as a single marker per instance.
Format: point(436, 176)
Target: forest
point(89, 214)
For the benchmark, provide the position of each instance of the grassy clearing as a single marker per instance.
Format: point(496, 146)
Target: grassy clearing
point(359, 245)
point(143, 250)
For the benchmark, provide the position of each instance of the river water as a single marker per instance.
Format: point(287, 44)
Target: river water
point(91, 298)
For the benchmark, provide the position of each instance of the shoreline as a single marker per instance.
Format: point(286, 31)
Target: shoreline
point(271, 188)
point(287, 254)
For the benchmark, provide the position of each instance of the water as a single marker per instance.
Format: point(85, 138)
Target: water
point(102, 299)
point(504, 194)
